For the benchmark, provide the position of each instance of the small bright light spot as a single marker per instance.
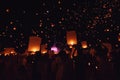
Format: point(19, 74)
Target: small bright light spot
point(7, 10)
point(96, 67)
point(89, 63)
point(55, 49)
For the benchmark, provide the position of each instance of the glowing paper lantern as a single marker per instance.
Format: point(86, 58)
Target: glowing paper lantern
point(34, 44)
point(71, 38)
point(9, 51)
point(84, 44)
point(43, 49)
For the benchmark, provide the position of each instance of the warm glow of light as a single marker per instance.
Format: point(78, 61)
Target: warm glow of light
point(76, 53)
point(44, 49)
point(70, 46)
point(14, 28)
point(107, 30)
point(8, 10)
point(34, 44)
point(44, 52)
point(6, 54)
point(11, 22)
point(71, 38)
point(35, 49)
point(72, 42)
point(12, 52)
point(84, 44)
point(32, 53)
point(118, 37)
point(9, 51)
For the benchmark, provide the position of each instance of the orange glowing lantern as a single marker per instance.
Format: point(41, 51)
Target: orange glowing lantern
point(34, 44)
point(118, 37)
point(44, 49)
point(71, 38)
point(9, 51)
point(76, 53)
point(84, 44)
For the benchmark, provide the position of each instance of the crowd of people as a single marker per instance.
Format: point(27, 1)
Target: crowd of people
point(88, 64)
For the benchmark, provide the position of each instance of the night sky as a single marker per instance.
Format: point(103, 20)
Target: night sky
point(95, 21)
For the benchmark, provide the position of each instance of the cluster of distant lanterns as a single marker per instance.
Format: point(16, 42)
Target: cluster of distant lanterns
point(35, 45)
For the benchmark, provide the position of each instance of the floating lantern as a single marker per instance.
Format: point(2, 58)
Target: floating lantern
point(44, 49)
point(71, 38)
point(34, 44)
point(84, 44)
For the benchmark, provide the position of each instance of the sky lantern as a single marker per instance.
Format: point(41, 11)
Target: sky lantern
point(43, 48)
point(34, 44)
point(84, 44)
point(71, 38)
